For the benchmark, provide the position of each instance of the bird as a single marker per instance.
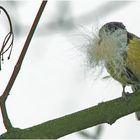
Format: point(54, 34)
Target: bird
point(119, 52)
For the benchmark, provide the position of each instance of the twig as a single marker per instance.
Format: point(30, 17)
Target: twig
point(16, 70)
point(10, 34)
point(6, 120)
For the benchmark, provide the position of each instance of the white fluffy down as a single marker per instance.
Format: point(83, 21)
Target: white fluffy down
point(110, 49)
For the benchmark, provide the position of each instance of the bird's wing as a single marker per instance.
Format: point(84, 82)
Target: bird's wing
point(133, 55)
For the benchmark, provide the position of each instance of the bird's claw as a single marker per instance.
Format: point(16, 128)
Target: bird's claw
point(125, 95)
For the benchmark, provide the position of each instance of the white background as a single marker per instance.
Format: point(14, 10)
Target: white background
point(54, 79)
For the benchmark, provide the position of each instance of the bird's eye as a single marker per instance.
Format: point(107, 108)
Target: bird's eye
point(110, 28)
point(115, 28)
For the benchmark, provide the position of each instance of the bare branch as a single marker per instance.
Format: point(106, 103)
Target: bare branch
point(16, 70)
point(3, 50)
point(9, 35)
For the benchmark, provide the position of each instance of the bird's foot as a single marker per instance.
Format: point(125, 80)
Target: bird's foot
point(125, 95)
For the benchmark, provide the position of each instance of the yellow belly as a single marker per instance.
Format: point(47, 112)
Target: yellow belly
point(121, 77)
point(132, 62)
point(133, 56)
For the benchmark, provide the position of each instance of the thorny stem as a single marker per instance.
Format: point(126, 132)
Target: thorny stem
point(16, 70)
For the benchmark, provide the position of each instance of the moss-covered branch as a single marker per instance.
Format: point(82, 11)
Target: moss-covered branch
point(105, 112)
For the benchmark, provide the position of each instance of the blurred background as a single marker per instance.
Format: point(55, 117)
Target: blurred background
point(55, 79)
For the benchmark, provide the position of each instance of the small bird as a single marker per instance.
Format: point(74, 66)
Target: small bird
point(119, 52)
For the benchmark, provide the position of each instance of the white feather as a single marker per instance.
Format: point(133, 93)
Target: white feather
point(108, 48)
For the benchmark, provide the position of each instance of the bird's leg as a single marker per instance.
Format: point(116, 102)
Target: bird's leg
point(124, 94)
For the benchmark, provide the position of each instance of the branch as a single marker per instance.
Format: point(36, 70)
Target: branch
point(105, 112)
point(9, 35)
point(16, 70)
point(6, 120)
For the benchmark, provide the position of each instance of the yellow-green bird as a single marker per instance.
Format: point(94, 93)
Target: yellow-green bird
point(119, 51)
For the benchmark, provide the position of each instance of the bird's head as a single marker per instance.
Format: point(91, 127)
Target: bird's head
point(114, 31)
point(109, 46)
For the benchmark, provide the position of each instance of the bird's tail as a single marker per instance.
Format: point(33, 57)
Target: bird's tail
point(136, 88)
